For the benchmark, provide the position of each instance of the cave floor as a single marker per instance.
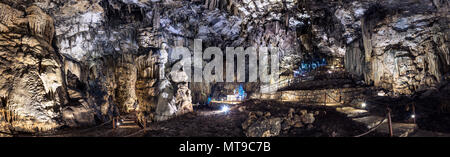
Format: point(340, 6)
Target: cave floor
point(211, 122)
point(343, 120)
point(331, 121)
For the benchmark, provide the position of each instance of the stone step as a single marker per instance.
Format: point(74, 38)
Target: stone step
point(127, 120)
point(128, 123)
point(399, 129)
point(370, 121)
point(129, 127)
point(352, 112)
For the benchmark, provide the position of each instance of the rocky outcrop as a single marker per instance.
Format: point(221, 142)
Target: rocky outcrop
point(183, 99)
point(173, 99)
point(173, 95)
point(80, 29)
point(263, 124)
point(32, 86)
point(400, 46)
point(261, 127)
point(126, 76)
point(404, 51)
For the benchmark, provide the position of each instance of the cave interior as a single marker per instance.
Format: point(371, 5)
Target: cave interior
point(135, 68)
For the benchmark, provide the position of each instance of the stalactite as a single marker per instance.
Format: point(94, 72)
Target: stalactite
point(40, 23)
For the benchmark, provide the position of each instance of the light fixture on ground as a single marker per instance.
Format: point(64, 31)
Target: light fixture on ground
point(118, 124)
point(225, 108)
point(381, 93)
point(363, 105)
point(413, 116)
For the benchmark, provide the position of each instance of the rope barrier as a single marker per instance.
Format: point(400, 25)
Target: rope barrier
point(373, 128)
point(331, 97)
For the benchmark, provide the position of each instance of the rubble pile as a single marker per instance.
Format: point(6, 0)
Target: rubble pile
point(260, 124)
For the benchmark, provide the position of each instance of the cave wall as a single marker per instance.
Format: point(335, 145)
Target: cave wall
point(403, 46)
point(32, 88)
point(78, 63)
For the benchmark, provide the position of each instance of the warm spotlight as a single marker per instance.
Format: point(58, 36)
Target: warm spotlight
point(363, 105)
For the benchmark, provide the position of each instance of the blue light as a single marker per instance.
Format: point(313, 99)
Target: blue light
point(209, 100)
point(310, 65)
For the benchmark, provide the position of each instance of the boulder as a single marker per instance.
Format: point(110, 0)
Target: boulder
point(166, 105)
point(78, 116)
point(308, 118)
point(183, 99)
point(264, 128)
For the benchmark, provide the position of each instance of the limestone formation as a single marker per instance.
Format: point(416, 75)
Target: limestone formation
point(32, 86)
point(402, 52)
point(78, 63)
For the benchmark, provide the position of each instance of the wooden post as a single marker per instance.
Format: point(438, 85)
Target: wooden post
point(325, 101)
point(114, 122)
point(340, 96)
point(414, 112)
point(391, 132)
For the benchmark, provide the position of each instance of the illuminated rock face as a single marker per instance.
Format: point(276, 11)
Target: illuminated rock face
point(404, 51)
point(32, 86)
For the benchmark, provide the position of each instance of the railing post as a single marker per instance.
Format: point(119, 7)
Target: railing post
point(325, 101)
point(414, 111)
point(114, 122)
point(391, 132)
